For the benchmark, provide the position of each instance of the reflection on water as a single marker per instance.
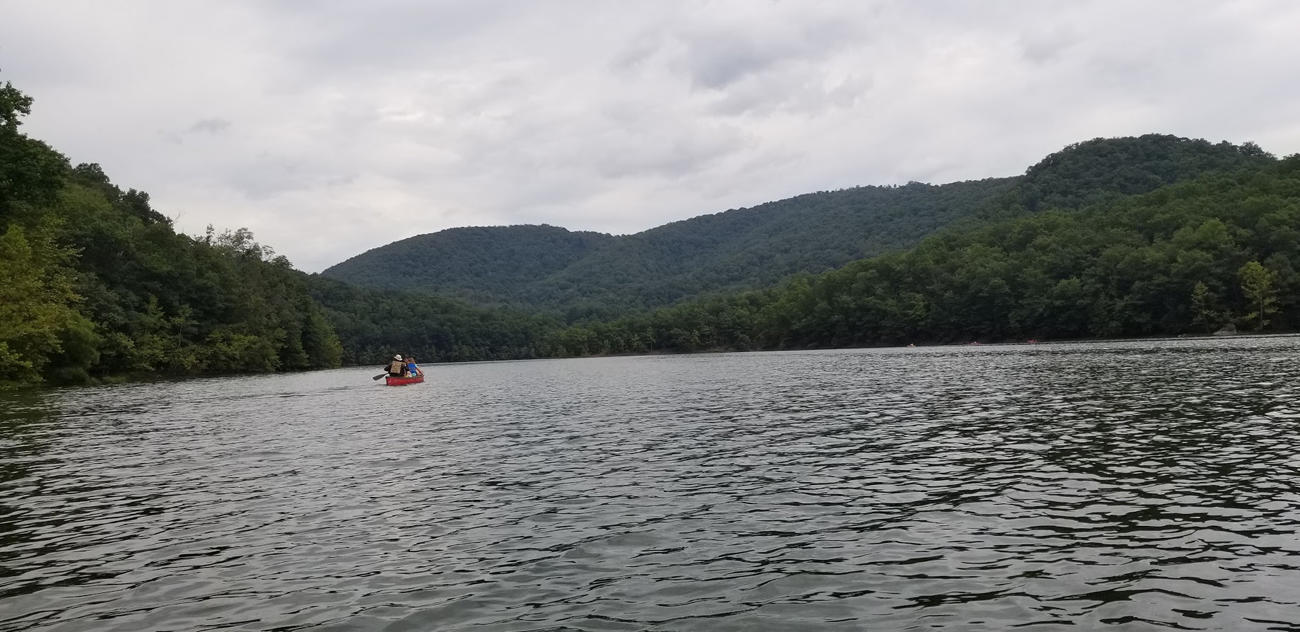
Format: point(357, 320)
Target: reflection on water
point(1127, 486)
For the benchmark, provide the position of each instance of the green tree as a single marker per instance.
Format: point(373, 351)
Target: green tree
point(38, 312)
point(30, 172)
point(1257, 283)
point(1205, 316)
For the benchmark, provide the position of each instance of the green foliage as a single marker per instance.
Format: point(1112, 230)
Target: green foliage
point(30, 172)
point(1257, 284)
point(13, 106)
point(98, 284)
point(1177, 260)
point(375, 324)
point(589, 276)
point(38, 315)
point(1206, 315)
point(1106, 169)
point(585, 277)
point(1125, 237)
point(488, 265)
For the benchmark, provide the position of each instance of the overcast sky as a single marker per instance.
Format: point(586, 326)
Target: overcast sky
point(329, 128)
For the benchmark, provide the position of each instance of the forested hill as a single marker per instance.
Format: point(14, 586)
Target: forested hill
point(95, 283)
point(588, 276)
point(756, 247)
point(1222, 250)
point(494, 264)
point(1103, 169)
point(1185, 258)
point(1154, 235)
point(591, 275)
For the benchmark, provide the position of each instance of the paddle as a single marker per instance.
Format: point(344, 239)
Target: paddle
point(385, 373)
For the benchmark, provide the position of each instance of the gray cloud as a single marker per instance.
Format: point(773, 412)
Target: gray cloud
point(210, 126)
point(1046, 46)
point(344, 126)
point(717, 60)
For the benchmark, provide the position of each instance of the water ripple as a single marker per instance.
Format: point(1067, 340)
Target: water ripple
point(1148, 485)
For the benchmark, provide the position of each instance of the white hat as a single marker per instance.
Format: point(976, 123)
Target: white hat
point(397, 357)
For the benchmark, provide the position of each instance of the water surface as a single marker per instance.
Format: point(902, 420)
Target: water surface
point(1125, 486)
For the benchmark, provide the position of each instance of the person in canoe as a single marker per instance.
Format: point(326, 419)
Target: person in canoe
point(397, 368)
point(411, 368)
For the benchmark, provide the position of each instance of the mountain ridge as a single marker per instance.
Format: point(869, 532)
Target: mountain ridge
point(584, 275)
point(716, 249)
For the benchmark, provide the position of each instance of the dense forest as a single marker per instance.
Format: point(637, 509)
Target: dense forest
point(374, 324)
point(485, 265)
point(97, 284)
point(1154, 235)
point(584, 277)
point(1188, 258)
point(587, 276)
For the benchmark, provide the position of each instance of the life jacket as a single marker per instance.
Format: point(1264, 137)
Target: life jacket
point(395, 367)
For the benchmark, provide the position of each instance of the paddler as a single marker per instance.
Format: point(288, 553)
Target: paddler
point(397, 368)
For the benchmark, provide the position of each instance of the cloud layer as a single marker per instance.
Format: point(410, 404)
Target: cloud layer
point(332, 127)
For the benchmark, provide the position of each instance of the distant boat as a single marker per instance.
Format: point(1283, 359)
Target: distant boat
point(403, 381)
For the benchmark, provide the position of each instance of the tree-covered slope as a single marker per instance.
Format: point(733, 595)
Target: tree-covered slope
point(1104, 169)
point(376, 323)
point(587, 276)
point(1121, 237)
point(755, 247)
point(1187, 258)
point(96, 283)
point(590, 274)
point(487, 264)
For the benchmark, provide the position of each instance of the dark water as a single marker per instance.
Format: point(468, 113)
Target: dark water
point(1123, 486)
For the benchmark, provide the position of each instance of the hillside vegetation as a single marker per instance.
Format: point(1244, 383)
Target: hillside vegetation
point(374, 324)
point(1159, 236)
point(1187, 258)
point(487, 265)
point(1106, 169)
point(755, 247)
point(1154, 235)
point(95, 283)
point(588, 276)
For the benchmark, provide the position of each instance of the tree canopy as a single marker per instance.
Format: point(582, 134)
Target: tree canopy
point(582, 277)
point(585, 276)
point(97, 284)
point(1186, 258)
point(1154, 235)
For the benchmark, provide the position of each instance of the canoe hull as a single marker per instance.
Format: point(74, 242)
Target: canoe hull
point(403, 381)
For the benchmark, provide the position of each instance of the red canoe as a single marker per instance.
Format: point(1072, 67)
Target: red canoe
point(403, 381)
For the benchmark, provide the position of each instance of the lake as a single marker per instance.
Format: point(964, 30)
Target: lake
point(1125, 486)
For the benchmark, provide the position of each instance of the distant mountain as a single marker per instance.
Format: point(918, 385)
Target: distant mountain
point(758, 246)
point(97, 284)
point(494, 264)
point(1104, 169)
point(593, 276)
point(1185, 259)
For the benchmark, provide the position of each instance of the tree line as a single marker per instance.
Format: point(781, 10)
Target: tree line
point(583, 276)
point(98, 285)
point(588, 277)
point(1188, 258)
point(1123, 237)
